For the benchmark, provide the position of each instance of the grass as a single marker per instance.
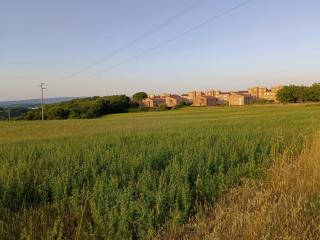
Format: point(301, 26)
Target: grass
point(129, 176)
point(287, 206)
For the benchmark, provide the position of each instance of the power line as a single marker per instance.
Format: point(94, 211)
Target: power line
point(134, 41)
point(194, 28)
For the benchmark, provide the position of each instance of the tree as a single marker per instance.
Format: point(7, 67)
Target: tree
point(139, 96)
point(314, 93)
point(290, 94)
point(294, 94)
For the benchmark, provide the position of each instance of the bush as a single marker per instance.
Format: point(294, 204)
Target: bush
point(263, 101)
point(162, 107)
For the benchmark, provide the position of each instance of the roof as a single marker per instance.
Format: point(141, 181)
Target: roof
point(207, 97)
point(175, 96)
point(238, 93)
point(154, 99)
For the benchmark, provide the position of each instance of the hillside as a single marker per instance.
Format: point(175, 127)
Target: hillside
point(131, 176)
point(28, 103)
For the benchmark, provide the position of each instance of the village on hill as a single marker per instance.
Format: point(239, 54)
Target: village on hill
point(214, 97)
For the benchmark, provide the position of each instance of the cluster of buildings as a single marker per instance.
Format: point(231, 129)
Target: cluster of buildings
point(214, 97)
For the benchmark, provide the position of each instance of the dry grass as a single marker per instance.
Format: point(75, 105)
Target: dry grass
point(287, 206)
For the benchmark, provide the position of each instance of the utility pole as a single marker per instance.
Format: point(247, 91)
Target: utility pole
point(9, 114)
point(42, 86)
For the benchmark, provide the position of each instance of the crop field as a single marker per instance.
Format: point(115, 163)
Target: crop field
point(129, 176)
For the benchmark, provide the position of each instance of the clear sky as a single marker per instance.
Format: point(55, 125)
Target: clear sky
point(267, 42)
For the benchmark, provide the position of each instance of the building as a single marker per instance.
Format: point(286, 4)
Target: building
point(151, 95)
point(274, 91)
point(153, 102)
point(194, 94)
point(205, 101)
point(265, 93)
point(173, 100)
point(185, 96)
point(222, 97)
point(258, 92)
point(240, 99)
point(210, 93)
point(164, 95)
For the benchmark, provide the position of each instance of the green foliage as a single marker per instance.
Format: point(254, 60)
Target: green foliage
point(83, 108)
point(139, 96)
point(314, 93)
point(182, 104)
point(15, 112)
point(294, 94)
point(162, 107)
point(262, 101)
point(129, 175)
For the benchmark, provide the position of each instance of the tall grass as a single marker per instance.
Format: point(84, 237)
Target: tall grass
point(287, 206)
point(128, 176)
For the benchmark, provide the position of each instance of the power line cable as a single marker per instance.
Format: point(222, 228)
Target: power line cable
point(134, 41)
point(194, 28)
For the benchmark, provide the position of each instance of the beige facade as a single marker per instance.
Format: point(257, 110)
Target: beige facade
point(210, 93)
point(153, 102)
point(164, 95)
point(173, 100)
point(205, 101)
point(238, 99)
point(258, 92)
point(194, 94)
point(223, 97)
point(265, 93)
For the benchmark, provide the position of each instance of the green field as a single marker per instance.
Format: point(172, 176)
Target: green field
point(127, 176)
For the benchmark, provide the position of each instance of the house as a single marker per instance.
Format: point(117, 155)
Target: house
point(186, 98)
point(240, 99)
point(194, 94)
point(205, 101)
point(164, 95)
point(153, 102)
point(222, 97)
point(173, 100)
point(210, 93)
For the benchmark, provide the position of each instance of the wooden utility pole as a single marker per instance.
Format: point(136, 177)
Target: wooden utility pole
point(42, 86)
point(9, 114)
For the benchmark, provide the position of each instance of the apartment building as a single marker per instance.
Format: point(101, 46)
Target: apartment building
point(264, 93)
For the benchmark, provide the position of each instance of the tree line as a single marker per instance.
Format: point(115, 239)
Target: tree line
point(299, 94)
point(82, 108)
point(15, 112)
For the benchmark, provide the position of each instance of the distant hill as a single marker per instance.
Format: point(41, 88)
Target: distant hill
point(29, 103)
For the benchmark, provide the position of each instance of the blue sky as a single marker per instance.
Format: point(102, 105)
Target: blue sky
point(267, 42)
